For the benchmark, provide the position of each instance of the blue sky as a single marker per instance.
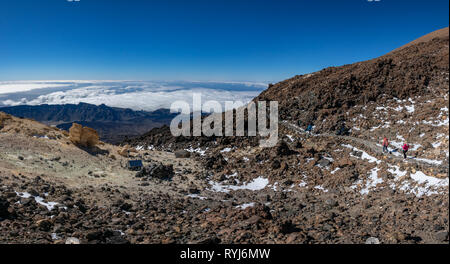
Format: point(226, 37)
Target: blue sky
point(251, 40)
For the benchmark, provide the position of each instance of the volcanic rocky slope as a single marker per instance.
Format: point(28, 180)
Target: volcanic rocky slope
point(402, 95)
point(335, 94)
point(309, 188)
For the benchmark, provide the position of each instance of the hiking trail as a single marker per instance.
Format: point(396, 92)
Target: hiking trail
point(369, 145)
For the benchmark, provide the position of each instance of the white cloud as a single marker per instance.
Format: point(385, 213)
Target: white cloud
point(15, 87)
point(140, 95)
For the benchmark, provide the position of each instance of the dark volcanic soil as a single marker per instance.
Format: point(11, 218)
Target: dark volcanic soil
point(159, 218)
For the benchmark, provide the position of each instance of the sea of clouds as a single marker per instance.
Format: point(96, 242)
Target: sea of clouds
point(137, 95)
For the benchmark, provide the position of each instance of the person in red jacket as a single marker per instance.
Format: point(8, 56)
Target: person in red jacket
point(385, 144)
point(405, 149)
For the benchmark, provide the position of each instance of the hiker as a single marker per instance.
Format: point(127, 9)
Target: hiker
point(405, 149)
point(309, 128)
point(385, 144)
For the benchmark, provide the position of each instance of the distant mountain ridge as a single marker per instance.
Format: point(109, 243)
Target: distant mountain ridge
point(113, 124)
point(81, 111)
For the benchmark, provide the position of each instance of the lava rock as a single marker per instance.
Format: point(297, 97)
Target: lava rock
point(282, 149)
point(44, 225)
point(160, 171)
point(4, 204)
point(182, 154)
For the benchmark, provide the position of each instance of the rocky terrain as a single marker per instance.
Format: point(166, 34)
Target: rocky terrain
point(313, 188)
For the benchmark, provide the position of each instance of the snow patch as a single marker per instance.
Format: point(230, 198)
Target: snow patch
point(246, 205)
point(421, 183)
point(290, 138)
point(225, 150)
point(425, 185)
point(410, 108)
point(319, 187)
point(196, 196)
point(39, 200)
point(434, 162)
point(197, 150)
point(255, 185)
point(364, 156)
point(335, 170)
point(372, 181)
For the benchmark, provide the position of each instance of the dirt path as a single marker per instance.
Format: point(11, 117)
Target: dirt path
point(369, 145)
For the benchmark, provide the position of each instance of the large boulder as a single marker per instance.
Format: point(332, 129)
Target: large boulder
point(216, 162)
point(4, 204)
point(160, 171)
point(126, 151)
point(83, 136)
point(282, 149)
point(182, 154)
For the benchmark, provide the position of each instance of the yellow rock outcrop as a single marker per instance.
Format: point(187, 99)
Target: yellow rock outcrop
point(83, 136)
